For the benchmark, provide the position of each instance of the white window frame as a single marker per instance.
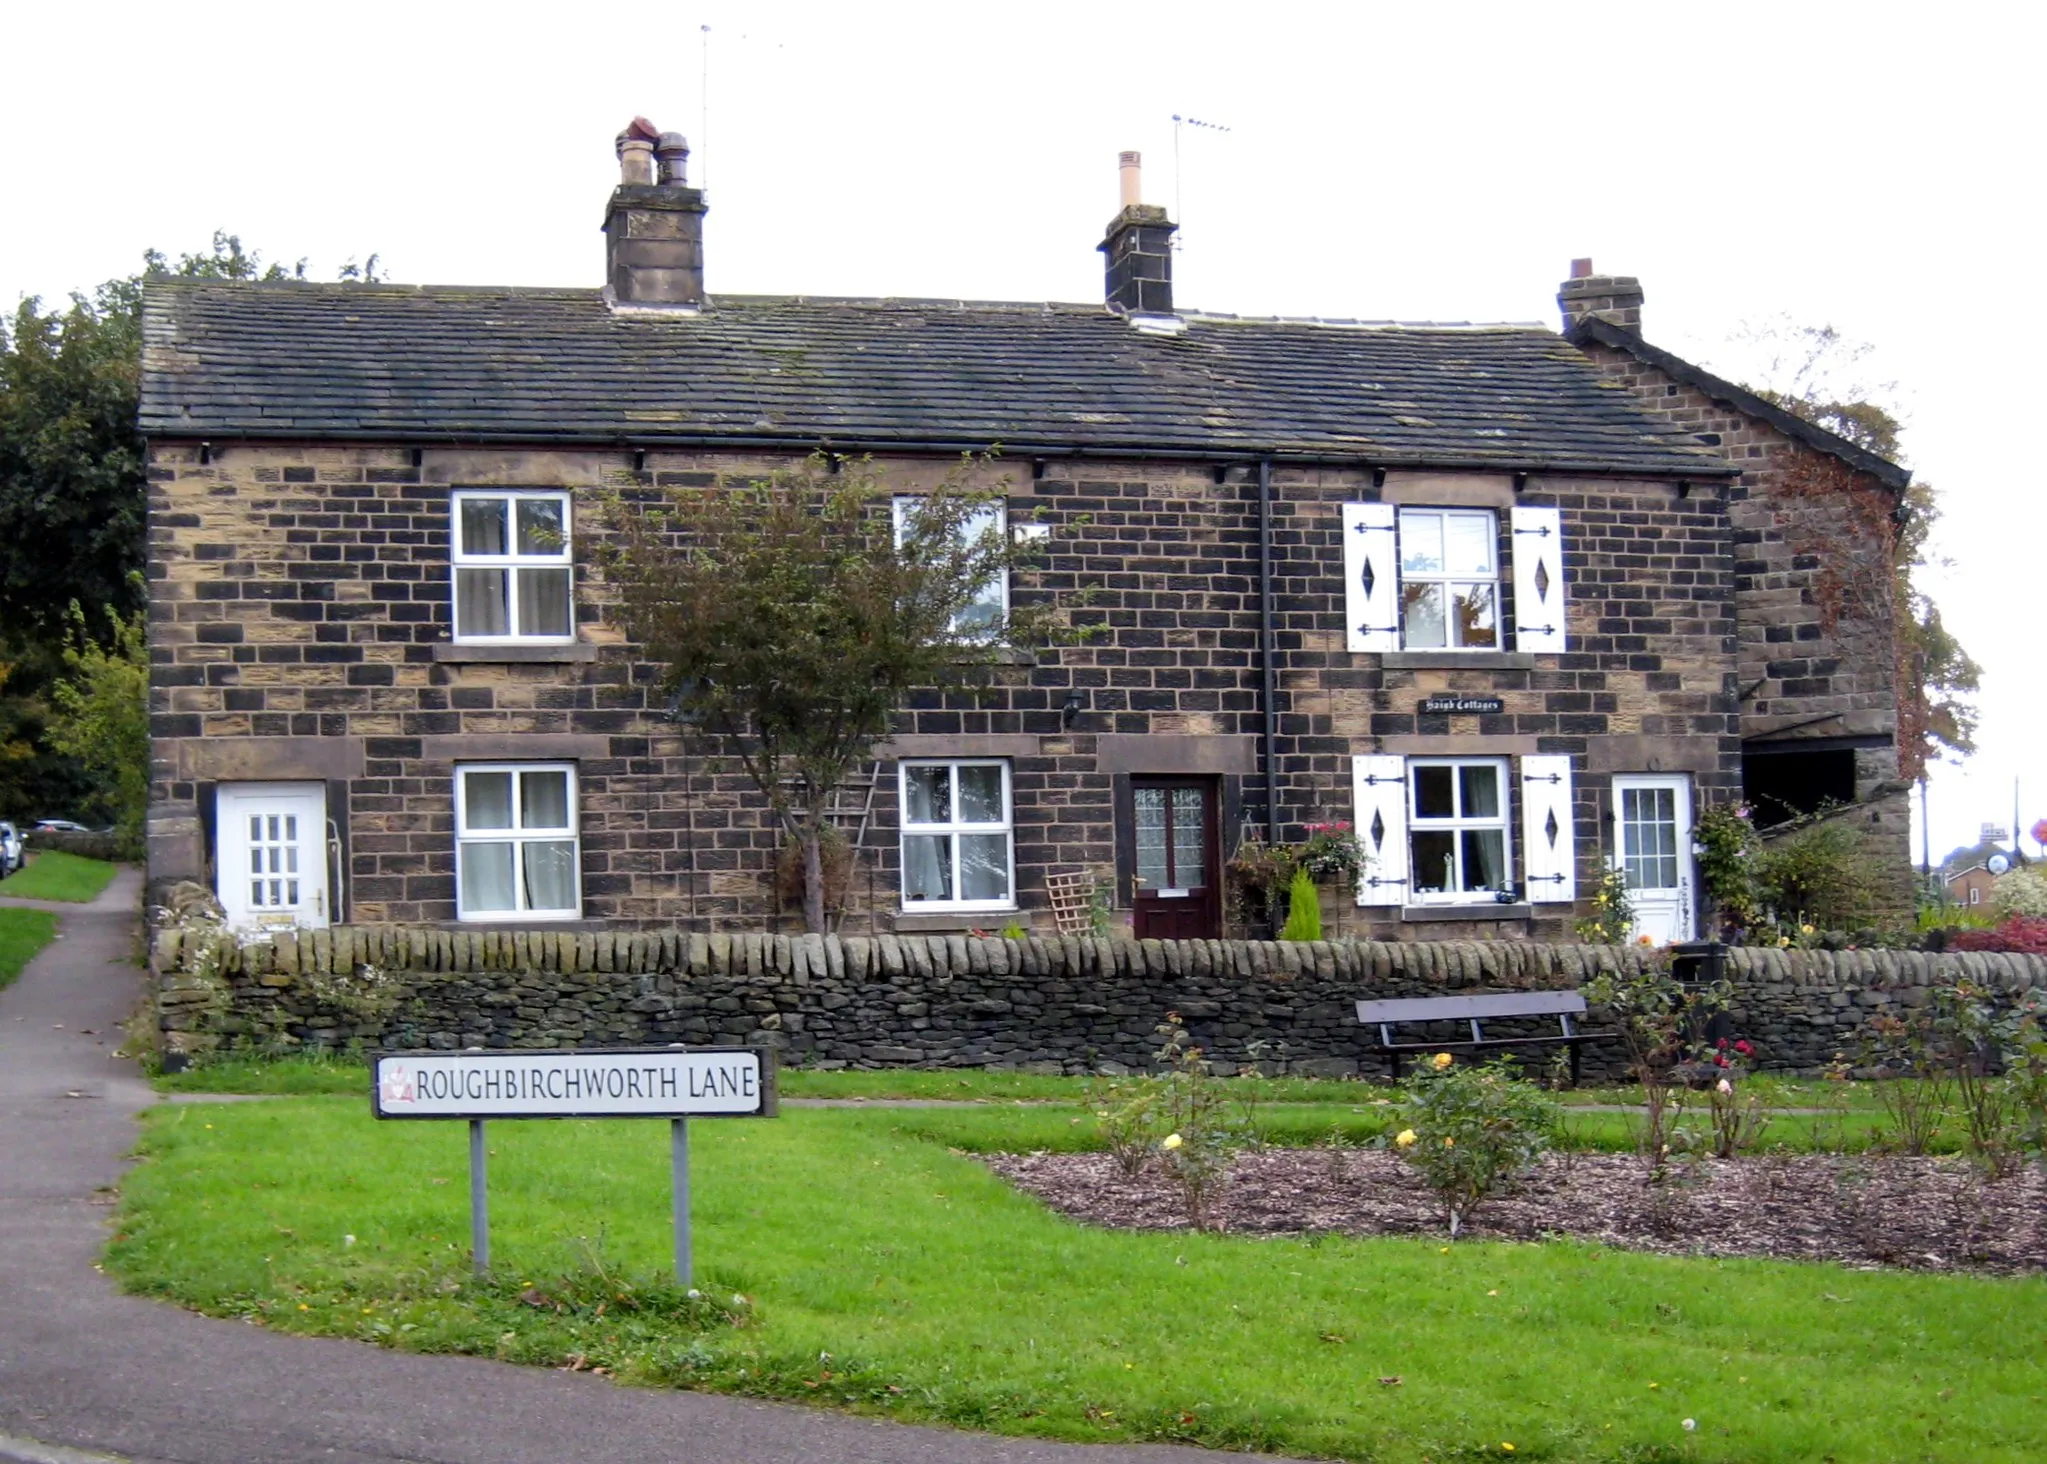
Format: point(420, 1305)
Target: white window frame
point(1006, 827)
point(1447, 579)
point(517, 836)
point(511, 563)
point(1503, 821)
point(905, 505)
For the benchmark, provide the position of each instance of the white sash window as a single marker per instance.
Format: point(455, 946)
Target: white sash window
point(957, 836)
point(513, 575)
point(1428, 579)
point(516, 850)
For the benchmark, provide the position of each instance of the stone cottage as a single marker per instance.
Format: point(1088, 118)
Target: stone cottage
point(1514, 604)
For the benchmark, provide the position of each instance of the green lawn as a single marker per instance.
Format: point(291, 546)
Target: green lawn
point(22, 934)
point(55, 875)
point(890, 1273)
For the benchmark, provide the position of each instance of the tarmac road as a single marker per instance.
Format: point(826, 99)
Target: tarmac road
point(88, 1374)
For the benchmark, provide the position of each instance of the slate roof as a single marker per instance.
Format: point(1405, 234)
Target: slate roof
point(431, 363)
point(1606, 333)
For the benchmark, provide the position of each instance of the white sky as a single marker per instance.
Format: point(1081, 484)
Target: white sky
point(1876, 167)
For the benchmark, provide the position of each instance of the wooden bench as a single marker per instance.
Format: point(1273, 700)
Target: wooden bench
point(1477, 1010)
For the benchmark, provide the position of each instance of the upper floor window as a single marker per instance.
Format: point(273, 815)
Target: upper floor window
point(989, 610)
point(1429, 579)
point(1449, 579)
point(513, 580)
point(515, 841)
point(957, 852)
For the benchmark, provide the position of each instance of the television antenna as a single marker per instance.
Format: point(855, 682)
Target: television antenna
point(1198, 124)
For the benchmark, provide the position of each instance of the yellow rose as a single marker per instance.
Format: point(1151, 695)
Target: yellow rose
point(1449, 1143)
point(1441, 1060)
point(1170, 1141)
point(1405, 1139)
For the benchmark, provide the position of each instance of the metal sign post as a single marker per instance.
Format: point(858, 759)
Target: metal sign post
point(479, 1198)
point(676, 1083)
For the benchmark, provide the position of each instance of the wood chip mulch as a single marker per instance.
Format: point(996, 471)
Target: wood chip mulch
point(1866, 1212)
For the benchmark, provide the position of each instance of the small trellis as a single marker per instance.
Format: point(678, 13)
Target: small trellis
point(1072, 892)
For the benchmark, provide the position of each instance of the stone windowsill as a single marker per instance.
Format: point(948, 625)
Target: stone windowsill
point(1458, 660)
point(529, 655)
point(960, 924)
point(1446, 914)
point(527, 924)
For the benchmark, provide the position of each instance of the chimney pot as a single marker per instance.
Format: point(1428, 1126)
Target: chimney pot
point(635, 157)
point(1581, 269)
point(1129, 171)
point(671, 153)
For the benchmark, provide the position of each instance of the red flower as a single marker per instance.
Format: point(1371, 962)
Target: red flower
point(1744, 1049)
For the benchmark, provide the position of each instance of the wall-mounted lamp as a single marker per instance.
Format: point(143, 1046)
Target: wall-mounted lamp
point(1520, 481)
point(1378, 478)
point(1037, 470)
point(640, 461)
point(418, 456)
point(205, 453)
point(1070, 710)
point(1684, 488)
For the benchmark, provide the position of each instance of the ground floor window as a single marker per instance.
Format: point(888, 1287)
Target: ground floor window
point(515, 841)
point(1457, 828)
point(957, 835)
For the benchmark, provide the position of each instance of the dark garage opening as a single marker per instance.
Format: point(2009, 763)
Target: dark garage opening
point(1783, 780)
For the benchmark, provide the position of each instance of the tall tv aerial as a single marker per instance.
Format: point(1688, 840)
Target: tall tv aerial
point(1198, 124)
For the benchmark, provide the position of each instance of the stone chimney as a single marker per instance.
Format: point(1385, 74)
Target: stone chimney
point(654, 228)
point(1138, 278)
point(1613, 298)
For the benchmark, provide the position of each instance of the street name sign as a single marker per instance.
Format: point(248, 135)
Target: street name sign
point(650, 1082)
point(675, 1083)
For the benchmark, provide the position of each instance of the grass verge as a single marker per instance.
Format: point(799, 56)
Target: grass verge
point(55, 875)
point(22, 934)
point(887, 1273)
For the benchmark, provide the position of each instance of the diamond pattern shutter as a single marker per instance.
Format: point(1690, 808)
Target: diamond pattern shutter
point(1381, 804)
point(1371, 579)
point(1538, 579)
point(1549, 847)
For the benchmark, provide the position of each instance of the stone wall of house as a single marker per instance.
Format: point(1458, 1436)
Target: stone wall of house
point(1813, 594)
point(1061, 1004)
point(300, 630)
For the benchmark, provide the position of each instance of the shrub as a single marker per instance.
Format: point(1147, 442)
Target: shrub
point(2020, 892)
point(2024, 934)
point(1204, 1135)
point(1304, 909)
point(1727, 864)
point(1470, 1129)
point(1820, 875)
point(1613, 913)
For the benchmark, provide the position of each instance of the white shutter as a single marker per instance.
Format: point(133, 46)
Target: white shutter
point(1371, 579)
point(1549, 848)
point(1381, 804)
point(1538, 579)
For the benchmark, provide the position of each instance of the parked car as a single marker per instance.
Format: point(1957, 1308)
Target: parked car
point(12, 855)
point(59, 826)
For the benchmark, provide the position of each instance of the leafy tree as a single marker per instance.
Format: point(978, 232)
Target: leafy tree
point(1812, 369)
point(102, 715)
point(73, 493)
point(793, 615)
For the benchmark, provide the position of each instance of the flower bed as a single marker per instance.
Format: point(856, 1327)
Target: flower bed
point(1863, 1211)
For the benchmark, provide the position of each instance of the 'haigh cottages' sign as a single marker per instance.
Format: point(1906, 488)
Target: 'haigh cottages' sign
point(1436, 706)
point(642, 1083)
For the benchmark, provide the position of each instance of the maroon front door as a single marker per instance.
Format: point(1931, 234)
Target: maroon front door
point(1179, 873)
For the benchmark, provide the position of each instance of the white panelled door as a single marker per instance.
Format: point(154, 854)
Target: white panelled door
point(1653, 841)
point(272, 841)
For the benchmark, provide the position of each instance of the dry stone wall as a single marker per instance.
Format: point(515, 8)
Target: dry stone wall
point(1056, 1004)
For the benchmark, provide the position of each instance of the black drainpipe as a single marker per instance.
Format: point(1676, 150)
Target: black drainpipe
point(1270, 672)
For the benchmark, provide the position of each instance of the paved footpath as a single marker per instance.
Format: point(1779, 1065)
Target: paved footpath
point(88, 1374)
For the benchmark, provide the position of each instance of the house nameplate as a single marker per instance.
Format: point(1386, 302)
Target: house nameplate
point(1436, 706)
